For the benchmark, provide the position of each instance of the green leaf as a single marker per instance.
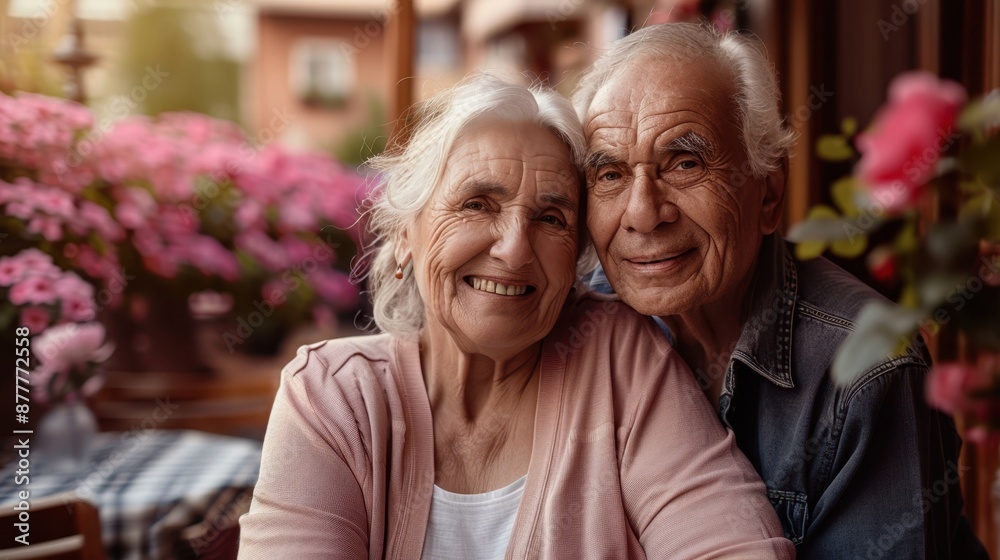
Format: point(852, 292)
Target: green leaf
point(980, 160)
point(845, 195)
point(906, 241)
point(978, 205)
point(933, 288)
point(7, 314)
point(850, 248)
point(807, 250)
point(972, 187)
point(983, 113)
point(878, 331)
point(824, 224)
point(849, 126)
point(833, 147)
point(909, 298)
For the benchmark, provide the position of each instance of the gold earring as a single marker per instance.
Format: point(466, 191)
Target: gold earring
point(399, 271)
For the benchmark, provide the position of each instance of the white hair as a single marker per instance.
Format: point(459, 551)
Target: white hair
point(766, 140)
point(409, 173)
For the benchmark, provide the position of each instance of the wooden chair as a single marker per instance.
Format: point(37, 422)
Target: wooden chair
point(61, 527)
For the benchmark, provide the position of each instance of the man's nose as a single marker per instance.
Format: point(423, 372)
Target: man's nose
point(649, 203)
point(513, 242)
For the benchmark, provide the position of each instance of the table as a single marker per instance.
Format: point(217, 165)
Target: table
point(150, 485)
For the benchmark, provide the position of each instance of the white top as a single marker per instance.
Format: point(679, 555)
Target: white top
point(471, 526)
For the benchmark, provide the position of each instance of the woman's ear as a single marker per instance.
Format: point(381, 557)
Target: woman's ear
point(402, 252)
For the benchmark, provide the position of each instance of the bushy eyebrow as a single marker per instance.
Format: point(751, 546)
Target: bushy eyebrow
point(560, 200)
point(599, 159)
point(483, 188)
point(690, 142)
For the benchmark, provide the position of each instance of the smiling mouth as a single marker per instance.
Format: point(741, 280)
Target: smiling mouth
point(656, 260)
point(492, 287)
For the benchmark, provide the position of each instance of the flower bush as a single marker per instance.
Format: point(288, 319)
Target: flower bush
point(181, 202)
point(928, 140)
point(57, 307)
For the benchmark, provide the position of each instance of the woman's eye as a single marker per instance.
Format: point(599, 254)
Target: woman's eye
point(474, 205)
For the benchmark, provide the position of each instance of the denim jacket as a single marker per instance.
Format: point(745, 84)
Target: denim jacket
point(862, 472)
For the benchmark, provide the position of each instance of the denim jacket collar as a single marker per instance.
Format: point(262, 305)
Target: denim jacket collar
point(765, 346)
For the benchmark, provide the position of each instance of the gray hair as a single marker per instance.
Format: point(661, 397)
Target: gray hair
point(766, 140)
point(409, 173)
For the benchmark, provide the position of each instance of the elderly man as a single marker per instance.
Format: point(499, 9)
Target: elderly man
point(686, 168)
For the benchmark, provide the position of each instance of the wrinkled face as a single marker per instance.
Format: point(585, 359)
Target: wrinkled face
point(673, 211)
point(494, 250)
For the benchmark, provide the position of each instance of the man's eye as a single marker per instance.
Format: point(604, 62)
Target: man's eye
point(553, 220)
point(688, 164)
point(609, 176)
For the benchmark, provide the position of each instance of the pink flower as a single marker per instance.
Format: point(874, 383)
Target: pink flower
point(129, 215)
point(335, 287)
point(900, 153)
point(49, 228)
point(33, 289)
point(260, 246)
point(78, 308)
point(35, 318)
point(71, 285)
point(12, 269)
point(274, 292)
point(38, 263)
point(949, 385)
point(70, 345)
point(100, 220)
point(980, 435)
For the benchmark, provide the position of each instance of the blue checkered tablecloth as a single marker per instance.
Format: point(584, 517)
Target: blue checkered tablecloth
point(150, 485)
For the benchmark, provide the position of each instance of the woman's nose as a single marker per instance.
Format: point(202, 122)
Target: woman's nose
point(513, 243)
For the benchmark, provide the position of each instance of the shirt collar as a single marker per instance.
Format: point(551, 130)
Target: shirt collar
point(765, 344)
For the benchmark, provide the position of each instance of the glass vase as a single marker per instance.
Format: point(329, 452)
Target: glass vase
point(65, 436)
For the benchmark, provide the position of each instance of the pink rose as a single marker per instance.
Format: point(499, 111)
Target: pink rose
point(949, 385)
point(72, 345)
point(900, 153)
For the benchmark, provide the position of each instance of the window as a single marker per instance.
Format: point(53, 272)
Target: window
point(323, 72)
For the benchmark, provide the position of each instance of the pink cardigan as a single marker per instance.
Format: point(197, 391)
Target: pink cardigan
point(628, 459)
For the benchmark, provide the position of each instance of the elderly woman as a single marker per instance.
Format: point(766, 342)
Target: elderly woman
point(500, 415)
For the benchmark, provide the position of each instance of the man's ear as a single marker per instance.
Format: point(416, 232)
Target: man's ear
point(773, 205)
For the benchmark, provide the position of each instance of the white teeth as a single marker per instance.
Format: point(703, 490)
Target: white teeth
point(497, 288)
